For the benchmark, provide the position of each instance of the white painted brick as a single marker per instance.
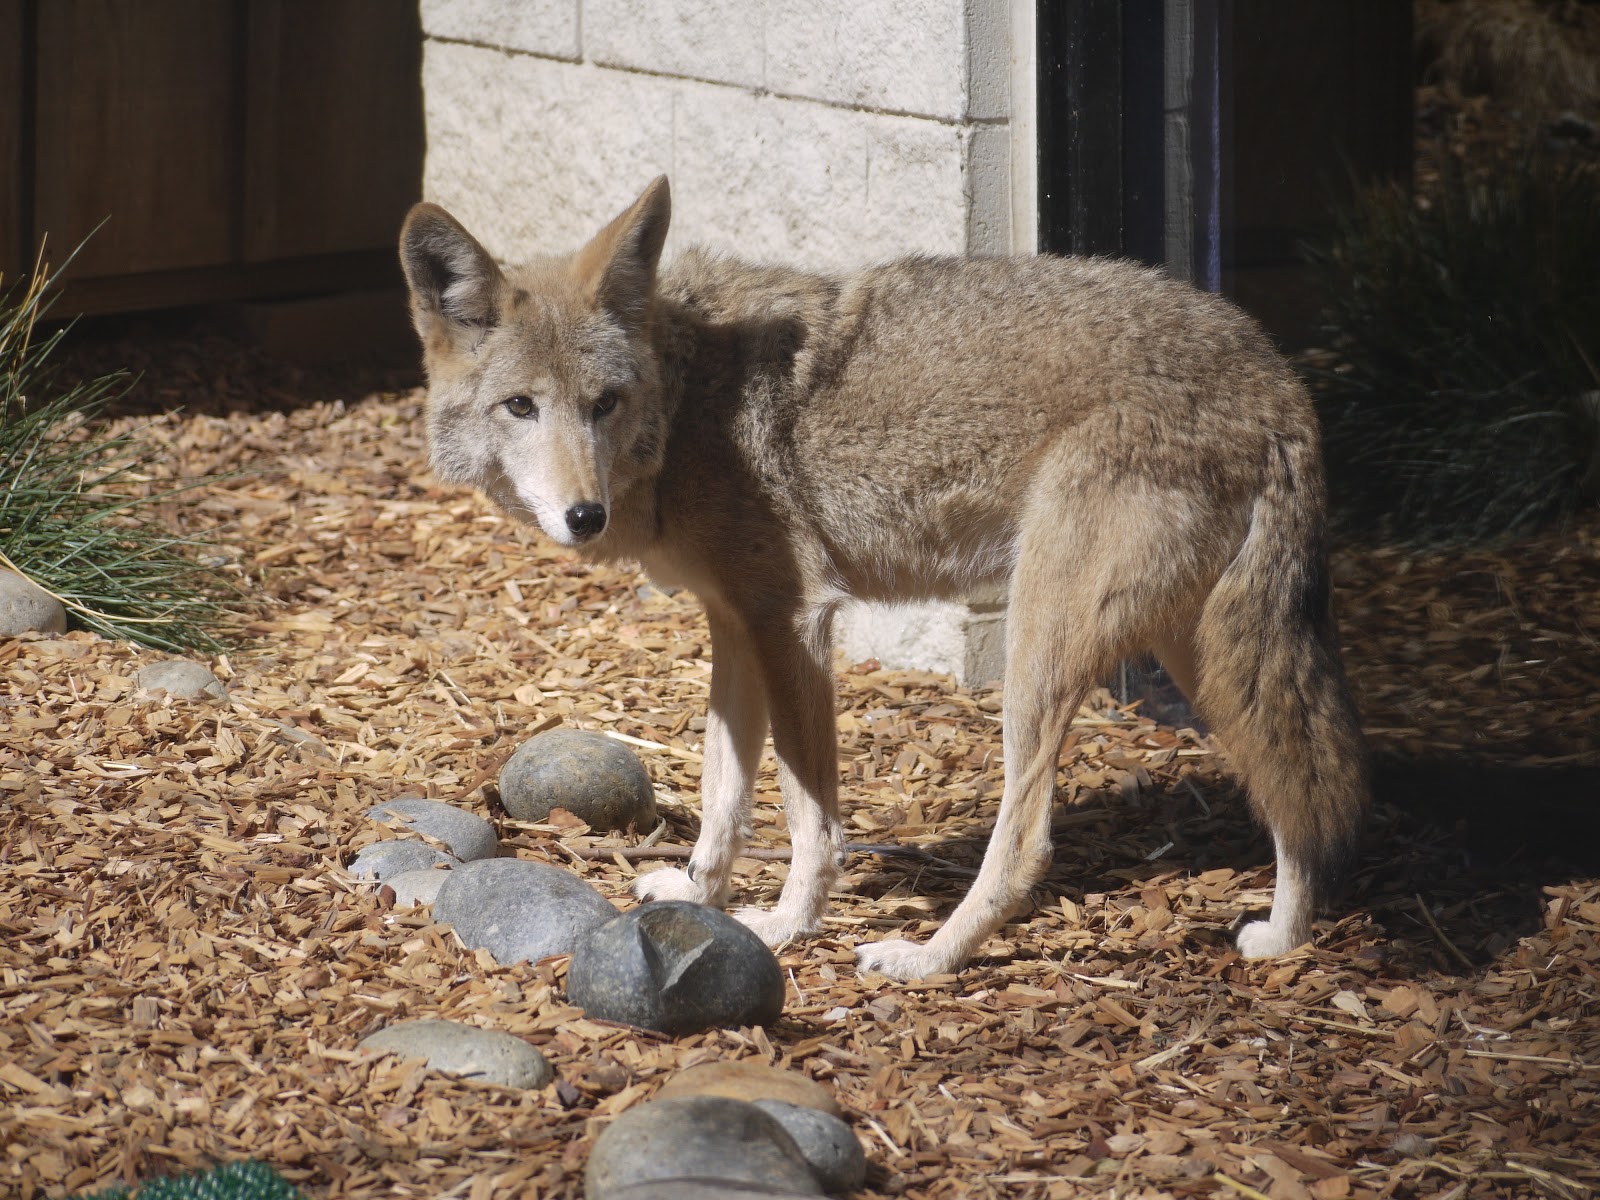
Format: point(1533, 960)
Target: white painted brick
point(548, 27)
point(808, 184)
point(916, 200)
point(767, 178)
point(946, 637)
point(532, 155)
point(884, 54)
point(701, 39)
point(988, 175)
point(988, 34)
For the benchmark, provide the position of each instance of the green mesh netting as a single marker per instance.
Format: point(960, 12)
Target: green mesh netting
point(231, 1181)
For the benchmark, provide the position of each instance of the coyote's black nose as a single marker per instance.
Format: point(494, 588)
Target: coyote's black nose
point(586, 519)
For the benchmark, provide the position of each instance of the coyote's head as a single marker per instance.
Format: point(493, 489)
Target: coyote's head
point(543, 386)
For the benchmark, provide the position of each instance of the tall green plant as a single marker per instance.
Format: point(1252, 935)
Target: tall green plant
point(1467, 329)
point(77, 516)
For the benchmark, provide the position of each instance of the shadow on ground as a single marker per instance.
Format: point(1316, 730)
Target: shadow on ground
point(196, 360)
point(1474, 842)
point(1478, 842)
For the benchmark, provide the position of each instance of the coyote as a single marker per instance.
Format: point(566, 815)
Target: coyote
point(1127, 453)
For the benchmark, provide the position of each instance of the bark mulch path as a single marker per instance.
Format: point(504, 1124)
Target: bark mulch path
point(185, 970)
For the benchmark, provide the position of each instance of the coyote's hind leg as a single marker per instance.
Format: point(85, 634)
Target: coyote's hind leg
point(1074, 610)
point(1272, 686)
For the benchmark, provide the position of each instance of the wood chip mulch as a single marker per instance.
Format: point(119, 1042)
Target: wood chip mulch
point(185, 970)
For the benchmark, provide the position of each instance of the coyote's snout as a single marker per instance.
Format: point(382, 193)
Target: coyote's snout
point(1126, 454)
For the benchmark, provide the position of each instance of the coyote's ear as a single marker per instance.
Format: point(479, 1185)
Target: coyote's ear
point(455, 285)
point(618, 267)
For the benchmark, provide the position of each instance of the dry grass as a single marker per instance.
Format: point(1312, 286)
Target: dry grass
point(1538, 56)
point(185, 970)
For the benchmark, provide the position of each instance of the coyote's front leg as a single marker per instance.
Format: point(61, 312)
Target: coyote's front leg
point(736, 726)
point(798, 667)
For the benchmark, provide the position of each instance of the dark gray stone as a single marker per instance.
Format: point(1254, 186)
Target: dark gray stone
point(590, 775)
point(467, 834)
point(696, 1138)
point(519, 910)
point(181, 678)
point(382, 861)
point(677, 968)
point(25, 607)
point(829, 1145)
point(481, 1055)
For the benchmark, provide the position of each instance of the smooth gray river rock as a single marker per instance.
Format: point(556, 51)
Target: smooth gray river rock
point(25, 607)
point(595, 778)
point(382, 861)
point(518, 910)
point(708, 1138)
point(468, 835)
point(481, 1055)
point(677, 968)
point(182, 678)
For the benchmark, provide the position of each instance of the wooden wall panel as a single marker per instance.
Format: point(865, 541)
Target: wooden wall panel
point(1321, 105)
point(335, 126)
point(138, 120)
point(13, 236)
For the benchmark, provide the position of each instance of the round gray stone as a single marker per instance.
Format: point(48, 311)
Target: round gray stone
point(25, 607)
point(382, 861)
point(828, 1144)
point(677, 968)
point(181, 678)
point(416, 887)
point(590, 775)
point(467, 834)
point(518, 910)
point(696, 1138)
point(481, 1055)
point(700, 1189)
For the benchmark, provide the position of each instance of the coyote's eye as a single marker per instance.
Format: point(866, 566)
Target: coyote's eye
point(602, 406)
point(522, 406)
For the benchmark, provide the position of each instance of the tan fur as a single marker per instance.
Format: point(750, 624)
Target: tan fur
point(1127, 452)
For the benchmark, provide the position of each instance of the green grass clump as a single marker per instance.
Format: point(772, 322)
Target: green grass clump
point(1467, 333)
point(230, 1181)
point(77, 514)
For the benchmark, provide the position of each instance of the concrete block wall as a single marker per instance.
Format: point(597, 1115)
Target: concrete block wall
point(826, 133)
point(823, 133)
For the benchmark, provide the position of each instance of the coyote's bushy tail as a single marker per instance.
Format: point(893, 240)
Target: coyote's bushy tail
point(1271, 678)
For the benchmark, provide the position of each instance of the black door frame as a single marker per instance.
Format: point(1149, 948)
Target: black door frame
point(1133, 131)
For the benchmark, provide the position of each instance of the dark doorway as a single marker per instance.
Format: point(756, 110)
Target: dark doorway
point(1213, 136)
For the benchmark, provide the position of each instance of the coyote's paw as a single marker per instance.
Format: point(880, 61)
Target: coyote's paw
point(669, 883)
point(901, 960)
point(1263, 939)
point(774, 926)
